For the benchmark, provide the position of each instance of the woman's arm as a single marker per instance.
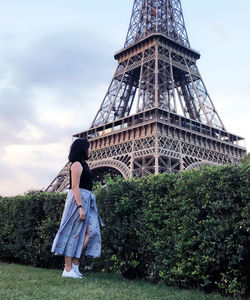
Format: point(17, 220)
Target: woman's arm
point(76, 171)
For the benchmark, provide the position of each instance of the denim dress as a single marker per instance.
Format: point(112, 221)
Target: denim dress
point(70, 236)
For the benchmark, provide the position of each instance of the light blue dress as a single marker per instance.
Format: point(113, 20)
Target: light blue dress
point(70, 236)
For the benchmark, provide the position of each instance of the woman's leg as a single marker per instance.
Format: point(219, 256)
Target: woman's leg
point(85, 243)
point(86, 240)
point(68, 263)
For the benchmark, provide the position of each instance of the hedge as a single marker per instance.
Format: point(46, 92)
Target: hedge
point(27, 226)
point(189, 229)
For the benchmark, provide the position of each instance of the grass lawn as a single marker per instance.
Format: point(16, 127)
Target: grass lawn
point(22, 282)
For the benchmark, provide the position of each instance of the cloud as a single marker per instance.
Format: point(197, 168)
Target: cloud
point(44, 81)
point(15, 109)
point(69, 61)
point(26, 167)
point(49, 90)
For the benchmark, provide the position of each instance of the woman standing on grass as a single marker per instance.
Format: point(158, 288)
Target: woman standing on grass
point(79, 230)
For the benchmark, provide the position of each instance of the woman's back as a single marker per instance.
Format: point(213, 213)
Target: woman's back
point(86, 179)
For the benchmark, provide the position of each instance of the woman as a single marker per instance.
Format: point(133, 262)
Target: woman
point(79, 230)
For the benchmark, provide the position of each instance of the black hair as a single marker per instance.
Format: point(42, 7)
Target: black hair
point(79, 150)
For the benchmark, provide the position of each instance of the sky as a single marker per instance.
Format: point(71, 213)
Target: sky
point(56, 63)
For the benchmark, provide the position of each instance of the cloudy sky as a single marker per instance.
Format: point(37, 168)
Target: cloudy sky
point(56, 62)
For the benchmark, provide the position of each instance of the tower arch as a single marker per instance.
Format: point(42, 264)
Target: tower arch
point(199, 164)
point(107, 164)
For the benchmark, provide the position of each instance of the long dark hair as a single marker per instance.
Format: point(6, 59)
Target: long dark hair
point(79, 150)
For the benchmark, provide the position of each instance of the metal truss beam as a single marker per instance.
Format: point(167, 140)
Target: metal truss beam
point(158, 75)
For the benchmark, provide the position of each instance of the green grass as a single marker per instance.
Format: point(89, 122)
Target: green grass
point(22, 282)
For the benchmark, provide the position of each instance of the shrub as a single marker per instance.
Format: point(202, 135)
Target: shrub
point(189, 229)
point(27, 226)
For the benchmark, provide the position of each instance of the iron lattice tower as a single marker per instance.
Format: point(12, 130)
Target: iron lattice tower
point(157, 115)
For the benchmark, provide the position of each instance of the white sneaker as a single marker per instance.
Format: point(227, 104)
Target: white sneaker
point(76, 269)
point(70, 274)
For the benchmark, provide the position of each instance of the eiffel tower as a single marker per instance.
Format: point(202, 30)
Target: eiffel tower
point(157, 115)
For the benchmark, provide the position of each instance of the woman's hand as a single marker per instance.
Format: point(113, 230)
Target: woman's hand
point(82, 214)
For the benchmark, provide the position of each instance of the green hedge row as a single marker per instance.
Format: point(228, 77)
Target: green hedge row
point(27, 227)
point(189, 229)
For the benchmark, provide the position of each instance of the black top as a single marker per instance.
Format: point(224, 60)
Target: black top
point(86, 179)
